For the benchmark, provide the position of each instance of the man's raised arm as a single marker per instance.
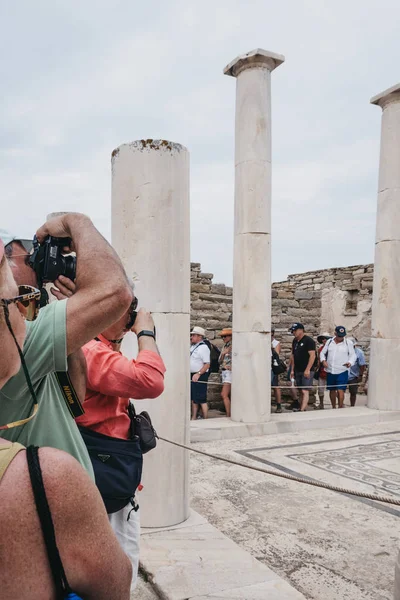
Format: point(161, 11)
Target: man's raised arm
point(102, 292)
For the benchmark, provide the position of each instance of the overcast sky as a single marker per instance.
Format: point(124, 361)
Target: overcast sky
point(80, 78)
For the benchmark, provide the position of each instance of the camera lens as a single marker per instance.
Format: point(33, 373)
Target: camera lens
point(70, 267)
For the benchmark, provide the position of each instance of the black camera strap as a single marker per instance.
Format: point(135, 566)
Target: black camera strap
point(70, 396)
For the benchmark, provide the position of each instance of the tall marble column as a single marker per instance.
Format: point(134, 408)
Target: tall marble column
point(251, 357)
point(151, 233)
point(384, 375)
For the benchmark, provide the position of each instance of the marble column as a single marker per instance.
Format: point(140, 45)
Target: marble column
point(384, 375)
point(251, 357)
point(151, 233)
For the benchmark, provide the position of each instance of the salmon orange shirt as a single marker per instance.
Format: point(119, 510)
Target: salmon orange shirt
point(111, 380)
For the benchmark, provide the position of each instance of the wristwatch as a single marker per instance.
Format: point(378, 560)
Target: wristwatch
point(147, 333)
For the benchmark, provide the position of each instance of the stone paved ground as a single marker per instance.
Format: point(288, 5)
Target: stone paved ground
point(327, 545)
point(144, 591)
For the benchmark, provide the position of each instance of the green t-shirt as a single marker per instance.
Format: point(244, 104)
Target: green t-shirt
point(45, 351)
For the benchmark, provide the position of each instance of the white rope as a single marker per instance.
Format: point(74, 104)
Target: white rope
point(286, 387)
point(320, 484)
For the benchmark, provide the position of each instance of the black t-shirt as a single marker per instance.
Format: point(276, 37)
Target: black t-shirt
point(300, 351)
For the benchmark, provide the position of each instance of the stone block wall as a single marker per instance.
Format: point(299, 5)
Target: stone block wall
point(318, 299)
point(211, 308)
point(323, 299)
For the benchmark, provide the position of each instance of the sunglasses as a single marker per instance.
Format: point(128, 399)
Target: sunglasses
point(27, 301)
point(28, 304)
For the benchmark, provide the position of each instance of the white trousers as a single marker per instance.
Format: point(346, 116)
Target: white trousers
point(128, 535)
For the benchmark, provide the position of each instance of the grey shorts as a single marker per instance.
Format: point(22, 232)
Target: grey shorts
point(353, 386)
point(304, 382)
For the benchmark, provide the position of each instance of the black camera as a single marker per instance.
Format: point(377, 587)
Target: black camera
point(132, 314)
point(48, 262)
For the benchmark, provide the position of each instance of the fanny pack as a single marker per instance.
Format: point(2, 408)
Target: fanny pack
point(142, 427)
point(278, 366)
point(117, 466)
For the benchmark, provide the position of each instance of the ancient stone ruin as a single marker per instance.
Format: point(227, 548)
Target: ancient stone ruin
point(318, 299)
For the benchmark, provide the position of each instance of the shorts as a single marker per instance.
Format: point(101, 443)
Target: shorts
point(353, 386)
point(337, 382)
point(198, 391)
point(226, 376)
point(321, 386)
point(305, 383)
point(274, 379)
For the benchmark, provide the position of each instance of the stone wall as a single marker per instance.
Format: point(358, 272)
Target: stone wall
point(323, 299)
point(318, 299)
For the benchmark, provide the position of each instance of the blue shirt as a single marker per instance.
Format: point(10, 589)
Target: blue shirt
point(360, 362)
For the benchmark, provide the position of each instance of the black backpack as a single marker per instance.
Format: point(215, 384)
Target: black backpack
point(214, 356)
point(278, 365)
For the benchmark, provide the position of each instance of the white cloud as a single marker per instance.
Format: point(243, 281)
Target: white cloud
point(82, 79)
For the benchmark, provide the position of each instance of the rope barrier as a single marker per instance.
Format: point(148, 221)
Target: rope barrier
point(286, 387)
point(320, 484)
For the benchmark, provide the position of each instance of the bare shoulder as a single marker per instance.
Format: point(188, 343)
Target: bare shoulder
point(68, 485)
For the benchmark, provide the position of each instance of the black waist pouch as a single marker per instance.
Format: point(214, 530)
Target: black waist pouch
point(117, 466)
point(142, 428)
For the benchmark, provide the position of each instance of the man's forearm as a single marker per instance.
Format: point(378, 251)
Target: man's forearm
point(204, 369)
point(311, 360)
point(97, 261)
point(102, 291)
point(146, 342)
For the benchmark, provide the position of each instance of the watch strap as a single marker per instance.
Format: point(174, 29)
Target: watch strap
point(146, 332)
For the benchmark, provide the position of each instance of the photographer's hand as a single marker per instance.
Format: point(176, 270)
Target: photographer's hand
point(65, 288)
point(144, 321)
point(103, 293)
point(60, 227)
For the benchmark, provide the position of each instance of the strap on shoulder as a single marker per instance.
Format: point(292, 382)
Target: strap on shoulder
point(46, 522)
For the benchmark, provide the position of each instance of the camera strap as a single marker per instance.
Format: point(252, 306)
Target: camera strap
point(70, 396)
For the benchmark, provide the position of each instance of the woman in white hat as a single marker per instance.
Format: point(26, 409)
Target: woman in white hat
point(225, 359)
point(199, 371)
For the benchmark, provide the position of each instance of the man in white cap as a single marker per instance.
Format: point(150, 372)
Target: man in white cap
point(337, 356)
point(199, 371)
point(356, 371)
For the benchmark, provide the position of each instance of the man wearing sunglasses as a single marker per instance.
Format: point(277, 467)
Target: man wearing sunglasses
point(62, 328)
point(82, 527)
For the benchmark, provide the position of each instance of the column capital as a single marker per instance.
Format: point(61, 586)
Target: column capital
point(253, 59)
point(387, 97)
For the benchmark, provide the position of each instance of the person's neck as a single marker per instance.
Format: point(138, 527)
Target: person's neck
point(301, 337)
point(339, 340)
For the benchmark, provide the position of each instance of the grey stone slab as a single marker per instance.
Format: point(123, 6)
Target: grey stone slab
point(222, 428)
point(201, 561)
point(194, 519)
point(270, 590)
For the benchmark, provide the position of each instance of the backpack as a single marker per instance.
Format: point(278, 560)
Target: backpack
point(278, 365)
point(214, 356)
point(328, 343)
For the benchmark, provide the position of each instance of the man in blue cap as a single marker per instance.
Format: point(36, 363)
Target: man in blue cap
point(337, 356)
